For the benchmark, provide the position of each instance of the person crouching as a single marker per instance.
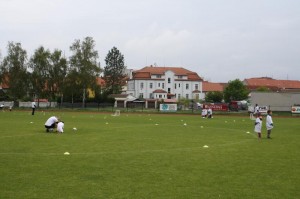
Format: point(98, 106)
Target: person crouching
point(51, 123)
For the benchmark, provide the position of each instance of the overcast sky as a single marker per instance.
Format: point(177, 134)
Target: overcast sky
point(221, 40)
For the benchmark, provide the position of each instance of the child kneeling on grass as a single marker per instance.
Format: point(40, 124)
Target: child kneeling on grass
point(60, 127)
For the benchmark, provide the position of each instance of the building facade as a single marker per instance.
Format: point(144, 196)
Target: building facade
point(165, 83)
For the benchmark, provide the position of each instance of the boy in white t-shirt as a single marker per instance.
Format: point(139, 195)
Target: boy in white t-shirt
point(204, 113)
point(258, 125)
point(269, 124)
point(60, 127)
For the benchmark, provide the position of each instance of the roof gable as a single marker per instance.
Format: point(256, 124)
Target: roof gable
point(146, 72)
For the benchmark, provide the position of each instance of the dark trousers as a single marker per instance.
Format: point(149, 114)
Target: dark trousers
point(33, 109)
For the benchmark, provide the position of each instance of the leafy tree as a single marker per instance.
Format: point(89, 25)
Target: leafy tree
point(235, 90)
point(57, 73)
point(184, 102)
point(40, 65)
point(114, 75)
point(214, 96)
point(83, 64)
point(14, 70)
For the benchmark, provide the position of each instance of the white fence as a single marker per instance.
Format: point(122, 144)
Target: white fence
point(40, 104)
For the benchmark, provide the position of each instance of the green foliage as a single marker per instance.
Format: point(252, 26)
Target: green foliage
point(114, 71)
point(235, 90)
point(40, 64)
point(83, 65)
point(14, 70)
point(57, 73)
point(214, 96)
point(263, 89)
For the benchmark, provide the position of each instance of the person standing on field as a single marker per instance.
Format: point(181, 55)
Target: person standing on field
point(33, 106)
point(256, 109)
point(258, 125)
point(269, 124)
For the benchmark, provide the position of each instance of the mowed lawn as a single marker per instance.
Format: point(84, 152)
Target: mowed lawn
point(147, 156)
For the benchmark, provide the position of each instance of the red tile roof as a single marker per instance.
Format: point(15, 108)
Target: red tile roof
point(159, 91)
point(146, 72)
point(209, 86)
point(273, 84)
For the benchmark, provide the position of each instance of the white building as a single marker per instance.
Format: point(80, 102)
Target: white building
point(165, 83)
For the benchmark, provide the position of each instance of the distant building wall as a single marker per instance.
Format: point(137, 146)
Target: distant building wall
point(277, 101)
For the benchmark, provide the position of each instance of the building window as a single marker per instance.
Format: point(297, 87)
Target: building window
point(158, 85)
point(180, 77)
point(187, 86)
point(169, 80)
point(141, 96)
point(179, 96)
point(196, 87)
point(187, 96)
point(160, 96)
point(142, 85)
point(158, 76)
point(169, 90)
point(175, 86)
point(179, 85)
point(151, 85)
point(163, 85)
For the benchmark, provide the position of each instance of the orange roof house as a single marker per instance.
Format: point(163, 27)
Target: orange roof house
point(272, 84)
point(211, 87)
point(156, 82)
point(150, 71)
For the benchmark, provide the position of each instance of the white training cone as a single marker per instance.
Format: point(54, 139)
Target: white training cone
point(202, 127)
point(247, 132)
point(184, 124)
point(75, 129)
point(66, 153)
point(205, 146)
point(156, 124)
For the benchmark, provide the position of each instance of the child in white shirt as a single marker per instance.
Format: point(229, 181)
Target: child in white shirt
point(269, 123)
point(60, 127)
point(258, 125)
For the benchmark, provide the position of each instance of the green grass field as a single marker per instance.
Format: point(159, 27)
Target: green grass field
point(147, 156)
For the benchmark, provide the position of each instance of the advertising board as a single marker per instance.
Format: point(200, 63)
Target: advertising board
point(295, 110)
point(168, 107)
point(216, 107)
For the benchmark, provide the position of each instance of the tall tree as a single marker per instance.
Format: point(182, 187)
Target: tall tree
point(14, 70)
point(40, 63)
point(83, 63)
point(235, 90)
point(57, 73)
point(114, 71)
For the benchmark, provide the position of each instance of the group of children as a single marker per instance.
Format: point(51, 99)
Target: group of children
point(54, 122)
point(258, 124)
